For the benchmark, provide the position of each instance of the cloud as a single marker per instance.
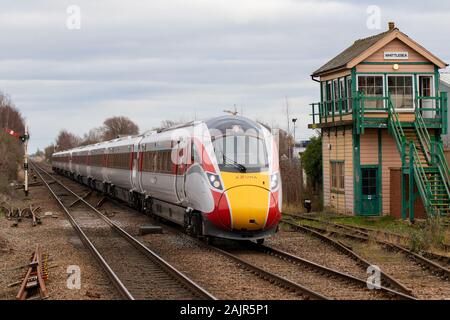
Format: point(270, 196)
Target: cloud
point(180, 59)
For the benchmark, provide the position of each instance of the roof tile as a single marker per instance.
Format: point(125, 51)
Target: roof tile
point(351, 53)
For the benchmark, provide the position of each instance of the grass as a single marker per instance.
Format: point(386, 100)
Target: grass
point(429, 235)
point(293, 209)
point(385, 223)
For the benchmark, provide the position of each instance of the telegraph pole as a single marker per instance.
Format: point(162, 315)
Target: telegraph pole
point(294, 121)
point(288, 128)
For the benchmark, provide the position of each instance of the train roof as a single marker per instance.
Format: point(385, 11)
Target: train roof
point(224, 123)
point(221, 123)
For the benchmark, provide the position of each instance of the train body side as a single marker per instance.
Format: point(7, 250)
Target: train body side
point(159, 174)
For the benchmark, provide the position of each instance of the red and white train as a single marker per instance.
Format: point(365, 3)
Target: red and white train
point(216, 178)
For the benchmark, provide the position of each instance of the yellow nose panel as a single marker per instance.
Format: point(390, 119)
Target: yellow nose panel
point(248, 207)
point(232, 179)
point(248, 198)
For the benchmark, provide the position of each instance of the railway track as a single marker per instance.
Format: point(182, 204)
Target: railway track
point(329, 282)
point(426, 280)
point(320, 279)
point(359, 235)
point(136, 271)
point(391, 237)
point(292, 289)
point(305, 292)
point(364, 231)
point(386, 280)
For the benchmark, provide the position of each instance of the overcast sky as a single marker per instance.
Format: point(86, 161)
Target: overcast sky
point(179, 59)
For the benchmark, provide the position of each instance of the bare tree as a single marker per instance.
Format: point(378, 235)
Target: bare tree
point(117, 126)
point(94, 135)
point(67, 140)
point(286, 142)
point(48, 151)
point(11, 150)
point(10, 117)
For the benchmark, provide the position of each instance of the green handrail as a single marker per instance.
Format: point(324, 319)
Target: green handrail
point(444, 112)
point(396, 129)
point(435, 154)
point(443, 167)
point(327, 109)
point(358, 113)
point(360, 109)
point(415, 164)
point(424, 136)
point(423, 185)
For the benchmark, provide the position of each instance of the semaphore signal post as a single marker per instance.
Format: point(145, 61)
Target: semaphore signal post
point(24, 139)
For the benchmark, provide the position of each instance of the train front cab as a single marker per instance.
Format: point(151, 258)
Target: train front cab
point(247, 195)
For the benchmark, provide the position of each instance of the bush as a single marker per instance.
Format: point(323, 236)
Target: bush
point(312, 161)
point(430, 235)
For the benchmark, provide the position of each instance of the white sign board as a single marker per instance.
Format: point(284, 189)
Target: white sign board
point(396, 56)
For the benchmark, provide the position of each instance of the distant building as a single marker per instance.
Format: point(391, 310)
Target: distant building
point(445, 87)
point(299, 148)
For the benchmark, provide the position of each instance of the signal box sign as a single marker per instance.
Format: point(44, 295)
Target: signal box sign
point(396, 56)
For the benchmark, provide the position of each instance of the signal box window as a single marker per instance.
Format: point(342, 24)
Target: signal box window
point(337, 176)
point(372, 86)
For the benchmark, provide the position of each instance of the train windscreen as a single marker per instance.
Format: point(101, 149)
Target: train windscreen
point(241, 153)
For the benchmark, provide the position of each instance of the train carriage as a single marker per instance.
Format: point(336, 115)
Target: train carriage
point(216, 178)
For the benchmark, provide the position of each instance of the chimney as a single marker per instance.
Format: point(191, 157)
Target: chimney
point(391, 26)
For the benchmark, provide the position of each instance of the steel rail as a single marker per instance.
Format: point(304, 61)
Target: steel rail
point(364, 231)
point(272, 277)
point(421, 260)
point(169, 269)
point(332, 272)
point(83, 237)
point(392, 282)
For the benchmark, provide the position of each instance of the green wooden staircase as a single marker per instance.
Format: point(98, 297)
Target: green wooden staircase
point(424, 159)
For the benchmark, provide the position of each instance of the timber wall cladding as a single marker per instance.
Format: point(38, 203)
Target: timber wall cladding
point(396, 46)
point(369, 147)
point(338, 146)
point(349, 185)
point(326, 168)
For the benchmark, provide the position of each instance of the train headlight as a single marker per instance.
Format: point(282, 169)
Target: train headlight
point(214, 181)
point(274, 181)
